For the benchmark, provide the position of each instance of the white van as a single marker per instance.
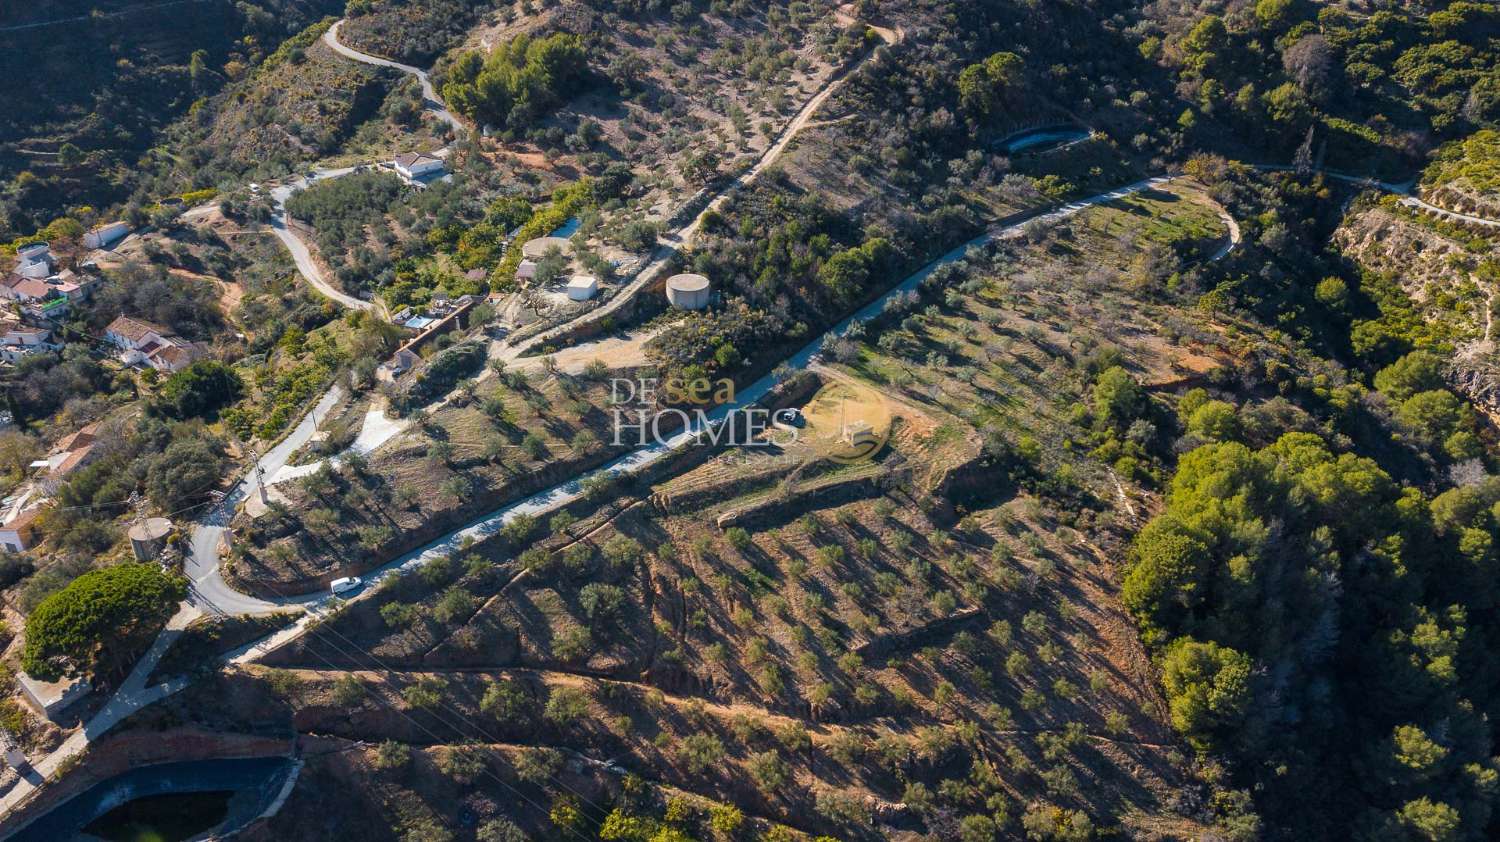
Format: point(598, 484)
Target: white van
point(348, 583)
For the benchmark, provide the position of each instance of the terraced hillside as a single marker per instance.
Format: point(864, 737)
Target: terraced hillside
point(928, 641)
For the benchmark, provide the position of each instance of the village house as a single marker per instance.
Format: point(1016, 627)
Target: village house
point(399, 363)
point(48, 298)
point(143, 343)
point(19, 340)
point(418, 166)
point(18, 534)
point(69, 454)
point(34, 261)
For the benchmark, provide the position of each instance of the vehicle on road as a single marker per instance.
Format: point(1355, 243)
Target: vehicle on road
point(344, 585)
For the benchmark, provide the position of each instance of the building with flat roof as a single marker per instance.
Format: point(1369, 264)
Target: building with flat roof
point(51, 698)
point(582, 287)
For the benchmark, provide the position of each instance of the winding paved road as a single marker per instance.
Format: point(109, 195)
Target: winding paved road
point(430, 99)
point(209, 592)
point(301, 255)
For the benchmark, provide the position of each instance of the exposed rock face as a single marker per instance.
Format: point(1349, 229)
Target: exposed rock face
point(1478, 379)
point(1426, 263)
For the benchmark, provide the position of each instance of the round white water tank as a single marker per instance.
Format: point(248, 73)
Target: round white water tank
point(688, 291)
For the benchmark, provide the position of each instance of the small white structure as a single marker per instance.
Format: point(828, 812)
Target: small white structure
point(19, 340)
point(688, 291)
point(34, 260)
point(582, 287)
point(105, 235)
point(857, 434)
point(52, 697)
point(418, 166)
point(538, 248)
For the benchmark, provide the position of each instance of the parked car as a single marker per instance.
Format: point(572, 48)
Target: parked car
point(344, 585)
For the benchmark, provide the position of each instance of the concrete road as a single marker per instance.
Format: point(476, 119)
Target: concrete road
point(673, 242)
point(430, 99)
point(209, 592)
point(300, 253)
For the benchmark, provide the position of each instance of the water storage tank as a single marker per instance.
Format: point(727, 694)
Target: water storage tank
point(539, 247)
point(148, 537)
point(688, 291)
point(32, 252)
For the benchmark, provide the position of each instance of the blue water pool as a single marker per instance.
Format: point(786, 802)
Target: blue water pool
point(1044, 137)
point(568, 229)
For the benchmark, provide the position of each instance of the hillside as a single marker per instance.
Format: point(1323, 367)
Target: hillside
point(1084, 426)
point(92, 84)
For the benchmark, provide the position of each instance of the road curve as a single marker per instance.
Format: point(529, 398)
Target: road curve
point(1403, 189)
point(430, 99)
point(1234, 234)
point(567, 492)
point(208, 591)
point(301, 255)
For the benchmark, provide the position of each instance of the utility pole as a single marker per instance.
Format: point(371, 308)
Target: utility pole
point(260, 477)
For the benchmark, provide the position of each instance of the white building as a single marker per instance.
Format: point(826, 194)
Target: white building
point(18, 339)
point(105, 235)
point(34, 261)
point(418, 166)
point(141, 342)
point(52, 697)
point(582, 287)
point(399, 363)
point(18, 534)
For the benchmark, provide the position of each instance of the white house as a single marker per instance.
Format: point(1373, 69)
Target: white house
point(105, 235)
point(141, 342)
point(418, 166)
point(582, 287)
point(34, 260)
point(399, 363)
point(18, 339)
